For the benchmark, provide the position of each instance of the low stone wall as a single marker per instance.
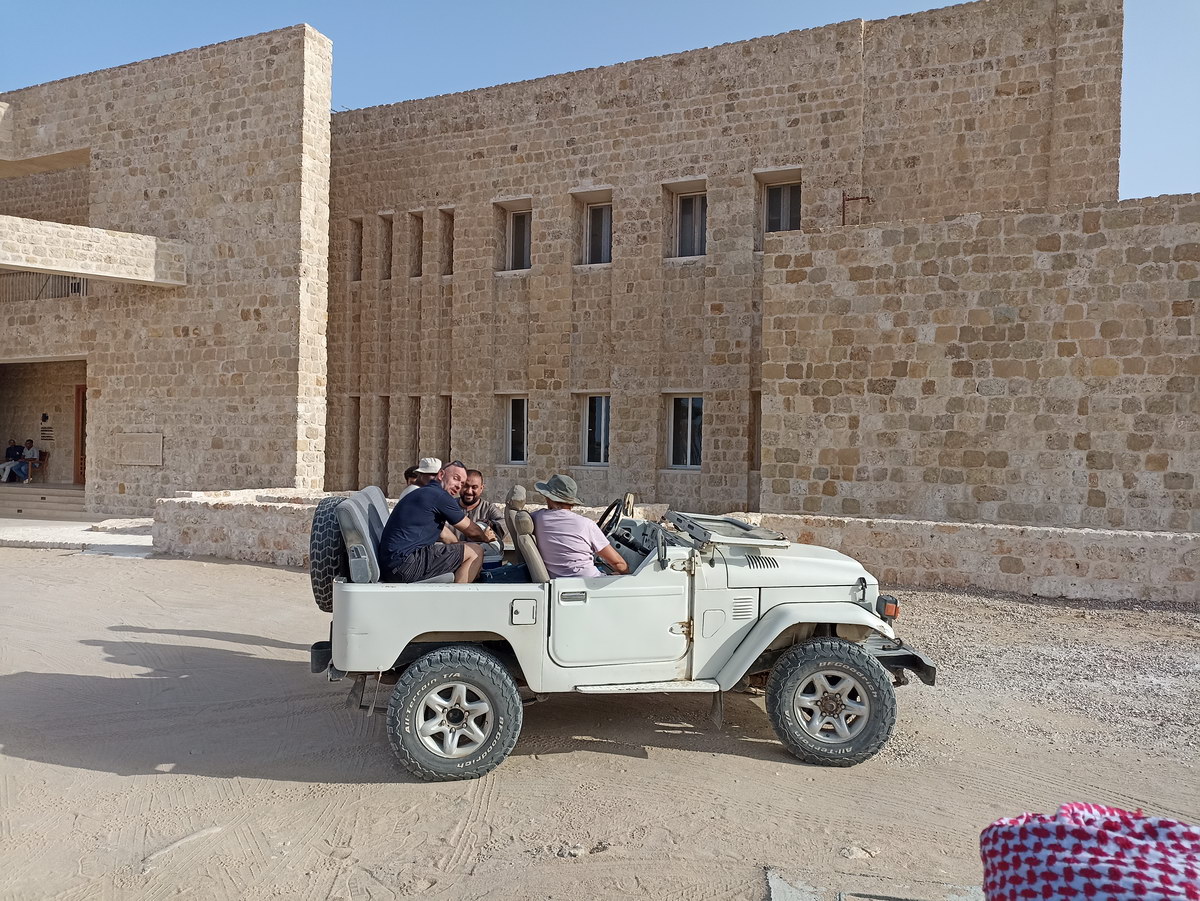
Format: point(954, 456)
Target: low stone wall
point(264, 526)
point(1071, 563)
point(272, 526)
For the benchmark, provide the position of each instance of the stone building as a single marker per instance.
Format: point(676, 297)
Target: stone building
point(874, 269)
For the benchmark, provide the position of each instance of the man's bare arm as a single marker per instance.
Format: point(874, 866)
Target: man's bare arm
point(472, 531)
point(614, 560)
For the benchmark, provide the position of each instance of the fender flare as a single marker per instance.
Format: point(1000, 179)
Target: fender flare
point(779, 618)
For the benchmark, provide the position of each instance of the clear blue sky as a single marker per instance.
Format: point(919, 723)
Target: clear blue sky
point(398, 50)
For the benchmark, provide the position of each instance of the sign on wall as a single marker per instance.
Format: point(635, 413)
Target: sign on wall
point(139, 448)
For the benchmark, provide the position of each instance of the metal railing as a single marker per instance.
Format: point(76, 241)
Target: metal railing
point(26, 286)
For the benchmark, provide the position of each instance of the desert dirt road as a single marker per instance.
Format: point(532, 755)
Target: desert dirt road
point(161, 737)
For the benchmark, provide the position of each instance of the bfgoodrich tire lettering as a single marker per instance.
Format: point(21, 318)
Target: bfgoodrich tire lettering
point(326, 552)
point(455, 713)
point(830, 702)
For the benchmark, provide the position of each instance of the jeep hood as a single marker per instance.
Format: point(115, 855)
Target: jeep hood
point(795, 565)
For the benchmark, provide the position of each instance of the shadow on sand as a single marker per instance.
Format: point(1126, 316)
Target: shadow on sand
point(209, 710)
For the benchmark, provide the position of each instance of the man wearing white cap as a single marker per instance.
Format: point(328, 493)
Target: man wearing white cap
point(427, 471)
point(567, 541)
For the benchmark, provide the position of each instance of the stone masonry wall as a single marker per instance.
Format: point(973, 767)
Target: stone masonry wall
point(60, 196)
point(938, 112)
point(34, 245)
point(1035, 368)
point(27, 390)
point(224, 148)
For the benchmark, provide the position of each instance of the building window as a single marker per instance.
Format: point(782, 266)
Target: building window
point(416, 243)
point(783, 208)
point(520, 223)
point(355, 250)
point(595, 429)
point(687, 431)
point(447, 217)
point(517, 429)
point(599, 233)
point(692, 224)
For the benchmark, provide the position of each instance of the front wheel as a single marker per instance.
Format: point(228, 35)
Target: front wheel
point(455, 714)
point(830, 702)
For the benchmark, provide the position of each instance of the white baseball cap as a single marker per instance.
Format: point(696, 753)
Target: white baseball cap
point(430, 465)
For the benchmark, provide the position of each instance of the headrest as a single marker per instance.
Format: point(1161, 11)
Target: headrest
point(522, 523)
point(516, 498)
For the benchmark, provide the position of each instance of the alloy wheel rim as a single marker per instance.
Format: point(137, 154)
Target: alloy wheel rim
point(832, 707)
point(454, 720)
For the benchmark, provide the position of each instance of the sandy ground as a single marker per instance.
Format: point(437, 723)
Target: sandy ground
point(161, 736)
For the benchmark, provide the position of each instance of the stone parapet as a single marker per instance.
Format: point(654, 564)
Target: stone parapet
point(1072, 563)
point(32, 245)
point(272, 526)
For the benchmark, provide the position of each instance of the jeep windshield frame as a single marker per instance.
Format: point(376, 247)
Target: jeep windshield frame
point(724, 530)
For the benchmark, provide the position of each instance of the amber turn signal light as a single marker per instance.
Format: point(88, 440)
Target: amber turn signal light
point(891, 609)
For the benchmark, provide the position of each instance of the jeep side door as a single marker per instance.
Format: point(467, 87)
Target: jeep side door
point(640, 618)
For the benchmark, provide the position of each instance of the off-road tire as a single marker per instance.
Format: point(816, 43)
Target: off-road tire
point(487, 679)
point(326, 552)
point(851, 669)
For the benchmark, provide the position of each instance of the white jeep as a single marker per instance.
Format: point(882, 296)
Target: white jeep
point(710, 603)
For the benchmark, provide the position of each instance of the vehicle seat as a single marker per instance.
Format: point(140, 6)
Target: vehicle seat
point(361, 525)
point(377, 511)
point(520, 527)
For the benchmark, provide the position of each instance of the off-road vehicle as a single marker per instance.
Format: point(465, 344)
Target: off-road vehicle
point(710, 603)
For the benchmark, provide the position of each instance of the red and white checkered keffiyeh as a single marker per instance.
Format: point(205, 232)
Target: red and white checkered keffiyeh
point(1090, 852)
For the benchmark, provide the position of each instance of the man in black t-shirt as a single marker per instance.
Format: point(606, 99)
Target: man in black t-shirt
point(417, 545)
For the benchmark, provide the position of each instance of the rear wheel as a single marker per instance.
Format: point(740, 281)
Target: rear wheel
point(830, 702)
point(455, 714)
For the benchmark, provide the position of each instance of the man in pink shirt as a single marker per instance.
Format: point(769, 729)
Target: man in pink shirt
point(567, 541)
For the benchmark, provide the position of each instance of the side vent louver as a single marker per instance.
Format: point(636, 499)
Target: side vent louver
point(745, 608)
point(758, 561)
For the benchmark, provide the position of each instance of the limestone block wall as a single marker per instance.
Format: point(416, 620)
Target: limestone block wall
point(27, 390)
point(1035, 368)
point(1106, 564)
point(34, 245)
point(988, 106)
point(60, 196)
point(224, 148)
point(938, 112)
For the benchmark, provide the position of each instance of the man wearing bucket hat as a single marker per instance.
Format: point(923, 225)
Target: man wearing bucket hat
point(567, 541)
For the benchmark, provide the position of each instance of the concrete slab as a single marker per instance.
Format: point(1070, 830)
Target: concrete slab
point(71, 535)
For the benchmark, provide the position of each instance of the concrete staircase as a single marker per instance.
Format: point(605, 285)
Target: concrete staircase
point(42, 501)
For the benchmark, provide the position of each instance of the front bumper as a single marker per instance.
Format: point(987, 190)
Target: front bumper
point(896, 657)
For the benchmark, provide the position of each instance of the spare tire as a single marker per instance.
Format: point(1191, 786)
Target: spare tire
point(326, 552)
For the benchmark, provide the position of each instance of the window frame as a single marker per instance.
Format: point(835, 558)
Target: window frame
point(587, 232)
point(690, 464)
point(700, 236)
point(585, 429)
point(509, 401)
point(784, 207)
point(510, 250)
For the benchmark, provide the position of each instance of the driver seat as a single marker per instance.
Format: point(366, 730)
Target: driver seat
point(520, 527)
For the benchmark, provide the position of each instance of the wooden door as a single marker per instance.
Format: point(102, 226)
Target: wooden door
point(80, 433)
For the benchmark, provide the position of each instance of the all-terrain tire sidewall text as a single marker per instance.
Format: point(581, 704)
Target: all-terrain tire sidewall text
point(326, 552)
point(833, 655)
point(488, 678)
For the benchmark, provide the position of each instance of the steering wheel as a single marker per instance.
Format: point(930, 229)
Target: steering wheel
point(610, 518)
